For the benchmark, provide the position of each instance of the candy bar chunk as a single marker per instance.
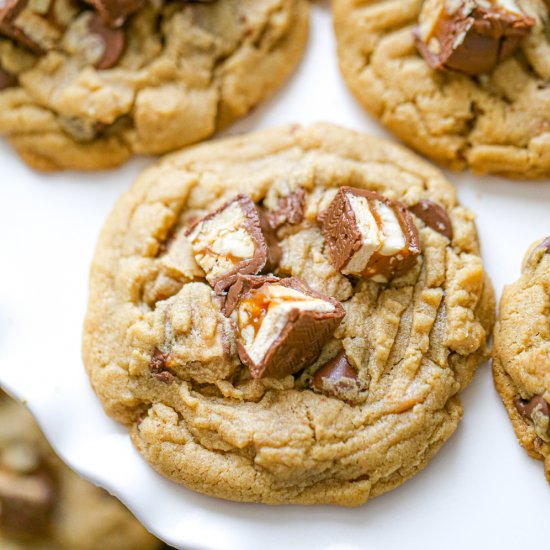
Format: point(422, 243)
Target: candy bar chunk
point(26, 501)
point(290, 209)
point(282, 326)
point(35, 24)
point(112, 42)
point(368, 235)
point(229, 241)
point(115, 12)
point(434, 216)
point(10, 10)
point(242, 286)
point(337, 378)
point(470, 36)
point(537, 410)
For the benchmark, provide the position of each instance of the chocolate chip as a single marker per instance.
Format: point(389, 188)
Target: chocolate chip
point(115, 12)
point(290, 209)
point(538, 411)
point(230, 241)
point(113, 41)
point(7, 80)
point(282, 326)
point(434, 216)
point(27, 501)
point(337, 378)
point(470, 37)
point(545, 245)
point(369, 235)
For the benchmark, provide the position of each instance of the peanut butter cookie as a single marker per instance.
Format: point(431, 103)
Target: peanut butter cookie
point(288, 316)
point(86, 85)
point(521, 358)
point(45, 506)
point(465, 82)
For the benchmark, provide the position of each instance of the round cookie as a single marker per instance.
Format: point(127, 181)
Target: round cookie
point(494, 122)
point(164, 329)
point(45, 506)
point(521, 354)
point(83, 89)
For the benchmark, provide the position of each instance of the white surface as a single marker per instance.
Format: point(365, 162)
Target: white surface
point(482, 490)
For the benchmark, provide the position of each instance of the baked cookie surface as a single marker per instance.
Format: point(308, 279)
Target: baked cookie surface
point(521, 356)
point(85, 89)
point(378, 356)
point(45, 506)
point(494, 121)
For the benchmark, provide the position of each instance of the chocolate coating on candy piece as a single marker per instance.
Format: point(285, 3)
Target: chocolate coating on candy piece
point(115, 12)
point(229, 241)
point(369, 235)
point(27, 501)
point(538, 411)
point(113, 40)
point(290, 209)
point(434, 216)
point(7, 80)
point(337, 378)
point(545, 245)
point(470, 36)
point(282, 327)
point(274, 251)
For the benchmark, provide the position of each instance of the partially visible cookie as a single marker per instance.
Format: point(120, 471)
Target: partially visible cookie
point(86, 85)
point(45, 506)
point(465, 82)
point(288, 316)
point(521, 356)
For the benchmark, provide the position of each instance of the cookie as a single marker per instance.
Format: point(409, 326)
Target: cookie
point(330, 374)
point(45, 506)
point(521, 355)
point(466, 83)
point(86, 85)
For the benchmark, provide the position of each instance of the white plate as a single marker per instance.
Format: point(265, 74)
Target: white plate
point(481, 489)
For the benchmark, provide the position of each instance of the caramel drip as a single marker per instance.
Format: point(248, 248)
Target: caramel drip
point(258, 304)
point(208, 250)
point(379, 225)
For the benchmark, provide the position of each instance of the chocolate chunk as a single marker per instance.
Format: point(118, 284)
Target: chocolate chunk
point(242, 286)
point(538, 411)
point(282, 326)
point(434, 216)
point(470, 36)
point(369, 235)
point(545, 245)
point(290, 209)
point(158, 366)
point(274, 251)
point(229, 241)
point(113, 41)
point(10, 10)
point(337, 378)
point(7, 80)
point(27, 501)
point(115, 12)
